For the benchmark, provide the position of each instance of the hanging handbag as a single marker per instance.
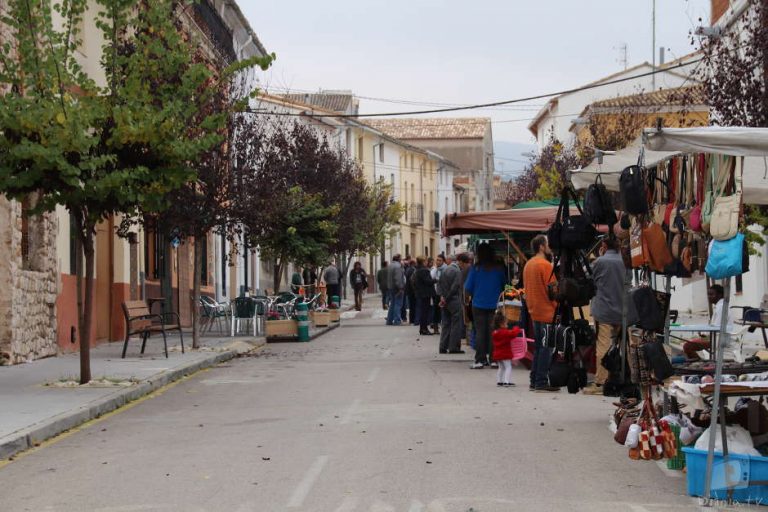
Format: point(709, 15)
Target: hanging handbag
point(583, 333)
point(726, 258)
point(717, 179)
point(657, 360)
point(699, 174)
point(655, 249)
point(633, 191)
point(611, 361)
point(598, 207)
point(638, 368)
point(727, 209)
point(636, 244)
point(647, 306)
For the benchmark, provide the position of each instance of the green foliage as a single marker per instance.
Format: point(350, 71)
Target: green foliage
point(303, 232)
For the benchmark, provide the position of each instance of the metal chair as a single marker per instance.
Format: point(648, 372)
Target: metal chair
point(243, 308)
point(213, 311)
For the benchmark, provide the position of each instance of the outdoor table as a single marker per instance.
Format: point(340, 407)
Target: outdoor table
point(712, 330)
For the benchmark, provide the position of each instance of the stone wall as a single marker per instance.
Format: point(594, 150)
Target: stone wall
point(28, 300)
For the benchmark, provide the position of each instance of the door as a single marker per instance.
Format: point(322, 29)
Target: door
point(103, 286)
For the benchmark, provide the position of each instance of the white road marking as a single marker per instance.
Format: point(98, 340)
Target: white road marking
point(416, 506)
point(306, 484)
point(373, 375)
point(350, 412)
point(348, 505)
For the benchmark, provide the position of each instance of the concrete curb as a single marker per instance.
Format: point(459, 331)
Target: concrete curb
point(30, 437)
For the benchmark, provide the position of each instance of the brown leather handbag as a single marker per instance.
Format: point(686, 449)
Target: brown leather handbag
point(655, 249)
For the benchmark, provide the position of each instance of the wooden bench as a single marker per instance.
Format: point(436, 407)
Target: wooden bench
point(139, 321)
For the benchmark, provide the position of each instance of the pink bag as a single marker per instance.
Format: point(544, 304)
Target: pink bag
point(520, 346)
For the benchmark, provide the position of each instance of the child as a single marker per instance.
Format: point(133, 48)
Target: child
point(502, 349)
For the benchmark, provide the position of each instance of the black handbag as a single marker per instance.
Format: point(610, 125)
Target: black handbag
point(611, 361)
point(556, 336)
point(657, 360)
point(598, 207)
point(649, 314)
point(633, 190)
point(570, 232)
point(560, 371)
point(583, 333)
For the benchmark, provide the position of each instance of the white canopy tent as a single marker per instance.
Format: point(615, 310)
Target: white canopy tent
point(752, 143)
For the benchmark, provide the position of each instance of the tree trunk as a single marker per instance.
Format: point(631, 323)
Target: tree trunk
point(87, 311)
point(278, 277)
point(343, 268)
point(196, 291)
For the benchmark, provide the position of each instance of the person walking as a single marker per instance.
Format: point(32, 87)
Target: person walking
point(381, 280)
point(608, 272)
point(423, 288)
point(450, 291)
point(396, 287)
point(484, 284)
point(332, 277)
point(502, 349)
point(358, 279)
point(537, 274)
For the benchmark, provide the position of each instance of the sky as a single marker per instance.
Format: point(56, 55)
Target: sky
point(456, 52)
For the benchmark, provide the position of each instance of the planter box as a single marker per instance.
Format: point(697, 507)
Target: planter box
point(276, 328)
point(321, 318)
point(335, 315)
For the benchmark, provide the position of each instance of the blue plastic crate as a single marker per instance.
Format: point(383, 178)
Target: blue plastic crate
point(739, 472)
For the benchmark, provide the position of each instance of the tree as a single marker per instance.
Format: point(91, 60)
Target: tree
point(546, 174)
point(100, 151)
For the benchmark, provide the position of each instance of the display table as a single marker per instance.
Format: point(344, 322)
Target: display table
point(711, 330)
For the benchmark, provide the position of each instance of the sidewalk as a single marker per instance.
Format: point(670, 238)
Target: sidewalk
point(38, 400)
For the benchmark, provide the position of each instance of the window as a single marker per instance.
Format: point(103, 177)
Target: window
point(381, 152)
point(407, 249)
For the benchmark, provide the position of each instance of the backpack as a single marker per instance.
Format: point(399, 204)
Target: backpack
point(632, 188)
point(597, 204)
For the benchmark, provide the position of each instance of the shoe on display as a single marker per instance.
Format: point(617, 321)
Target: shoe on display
point(477, 366)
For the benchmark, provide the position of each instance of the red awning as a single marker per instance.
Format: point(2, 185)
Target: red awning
point(532, 220)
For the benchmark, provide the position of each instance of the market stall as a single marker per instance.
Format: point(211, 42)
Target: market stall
point(685, 203)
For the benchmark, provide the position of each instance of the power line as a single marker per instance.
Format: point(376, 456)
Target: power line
point(503, 102)
point(287, 90)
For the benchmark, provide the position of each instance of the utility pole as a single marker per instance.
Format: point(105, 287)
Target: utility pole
point(653, 46)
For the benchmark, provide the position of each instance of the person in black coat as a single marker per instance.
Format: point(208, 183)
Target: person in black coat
point(423, 288)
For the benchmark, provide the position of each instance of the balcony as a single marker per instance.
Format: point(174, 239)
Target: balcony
point(416, 214)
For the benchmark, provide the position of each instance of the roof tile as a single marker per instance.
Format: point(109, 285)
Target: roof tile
point(432, 128)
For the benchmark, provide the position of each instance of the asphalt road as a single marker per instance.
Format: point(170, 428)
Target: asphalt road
point(365, 418)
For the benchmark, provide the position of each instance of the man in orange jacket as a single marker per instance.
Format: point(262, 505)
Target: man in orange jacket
point(537, 274)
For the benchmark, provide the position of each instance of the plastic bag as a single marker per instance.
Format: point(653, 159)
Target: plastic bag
point(739, 440)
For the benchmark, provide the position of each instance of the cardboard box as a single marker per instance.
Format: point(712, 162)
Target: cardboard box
point(275, 328)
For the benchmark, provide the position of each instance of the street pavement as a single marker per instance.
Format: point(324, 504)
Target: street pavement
point(367, 417)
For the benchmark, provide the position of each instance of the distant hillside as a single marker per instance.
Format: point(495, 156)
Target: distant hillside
point(510, 159)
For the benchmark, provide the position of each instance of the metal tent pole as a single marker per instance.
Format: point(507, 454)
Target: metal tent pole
point(716, 409)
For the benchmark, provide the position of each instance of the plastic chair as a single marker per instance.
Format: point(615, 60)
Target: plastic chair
point(243, 308)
